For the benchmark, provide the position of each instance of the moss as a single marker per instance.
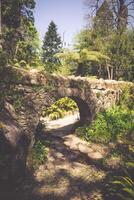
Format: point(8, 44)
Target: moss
point(98, 95)
point(1, 125)
point(45, 88)
point(38, 154)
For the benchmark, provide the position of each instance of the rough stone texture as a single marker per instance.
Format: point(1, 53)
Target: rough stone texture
point(14, 144)
point(90, 95)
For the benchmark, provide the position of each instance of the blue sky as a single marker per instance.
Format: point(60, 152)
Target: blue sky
point(67, 14)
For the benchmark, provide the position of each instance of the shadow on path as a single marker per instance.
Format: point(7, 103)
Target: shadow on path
point(73, 170)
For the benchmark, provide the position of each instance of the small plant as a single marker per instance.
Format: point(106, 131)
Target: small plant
point(127, 97)
point(38, 154)
point(98, 95)
point(109, 125)
point(125, 184)
point(61, 108)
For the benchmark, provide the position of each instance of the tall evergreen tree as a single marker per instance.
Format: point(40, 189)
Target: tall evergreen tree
point(18, 29)
point(51, 46)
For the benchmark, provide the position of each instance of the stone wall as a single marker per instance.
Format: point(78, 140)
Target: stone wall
point(90, 95)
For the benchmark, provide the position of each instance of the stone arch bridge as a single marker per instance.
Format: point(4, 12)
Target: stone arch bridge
point(91, 95)
point(35, 91)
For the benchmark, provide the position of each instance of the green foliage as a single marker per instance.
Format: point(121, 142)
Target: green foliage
point(51, 46)
point(20, 39)
point(109, 125)
point(28, 49)
point(93, 56)
point(121, 51)
point(69, 61)
point(124, 185)
point(75, 59)
point(117, 45)
point(18, 100)
point(44, 88)
point(61, 108)
point(69, 56)
point(3, 59)
point(127, 185)
point(83, 40)
point(38, 154)
point(104, 20)
point(127, 98)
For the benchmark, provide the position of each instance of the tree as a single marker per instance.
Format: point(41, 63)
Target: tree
point(103, 22)
point(18, 28)
point(51, 46)
point(121, 52)
point(122, 11)
point(0, 27)
point(84, 40)
point(28, 48)
point(85, 59)
point(110, 35)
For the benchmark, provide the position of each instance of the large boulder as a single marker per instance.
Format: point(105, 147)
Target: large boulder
point(14, 144)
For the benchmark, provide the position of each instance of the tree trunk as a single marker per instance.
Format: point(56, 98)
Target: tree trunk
point(79, 71)
point(112, 73)
point(108, 72)
point(99, 71)
point(0, 26)
point(122, 16)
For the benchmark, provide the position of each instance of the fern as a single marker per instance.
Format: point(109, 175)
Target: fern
point(126, 183)
point(61, 108)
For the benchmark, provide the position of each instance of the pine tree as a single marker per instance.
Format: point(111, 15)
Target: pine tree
point(51, 46)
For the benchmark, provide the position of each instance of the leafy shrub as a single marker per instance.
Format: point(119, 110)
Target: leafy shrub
point(124, 185)
point(127, 97)
point(38, 154)
point(127, 187)
point(60, 108)
point(109, 125)
point(121, 186)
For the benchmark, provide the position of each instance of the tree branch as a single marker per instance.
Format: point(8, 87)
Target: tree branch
point(131, 2)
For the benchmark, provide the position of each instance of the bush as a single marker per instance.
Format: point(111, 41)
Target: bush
point(109, 125)
point(127, 98)
point(124, 185)
point(61, 108)
point(38, 154)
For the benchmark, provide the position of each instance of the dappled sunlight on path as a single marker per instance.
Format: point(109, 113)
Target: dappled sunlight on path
point(72, 171)
point(67, 174)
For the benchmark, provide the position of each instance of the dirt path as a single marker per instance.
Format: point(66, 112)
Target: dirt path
point(72, 170)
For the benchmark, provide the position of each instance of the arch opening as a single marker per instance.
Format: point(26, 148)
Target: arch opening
point(66, 112)
point(84, 111)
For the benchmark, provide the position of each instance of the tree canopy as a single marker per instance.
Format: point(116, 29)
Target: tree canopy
point(19, 36)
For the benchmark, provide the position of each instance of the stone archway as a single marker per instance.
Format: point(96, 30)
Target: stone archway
point(84, 110)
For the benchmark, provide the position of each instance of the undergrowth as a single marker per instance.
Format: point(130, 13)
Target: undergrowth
point(109, 126)
point(38, 154)
point(61, 108)
point(116, 125)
